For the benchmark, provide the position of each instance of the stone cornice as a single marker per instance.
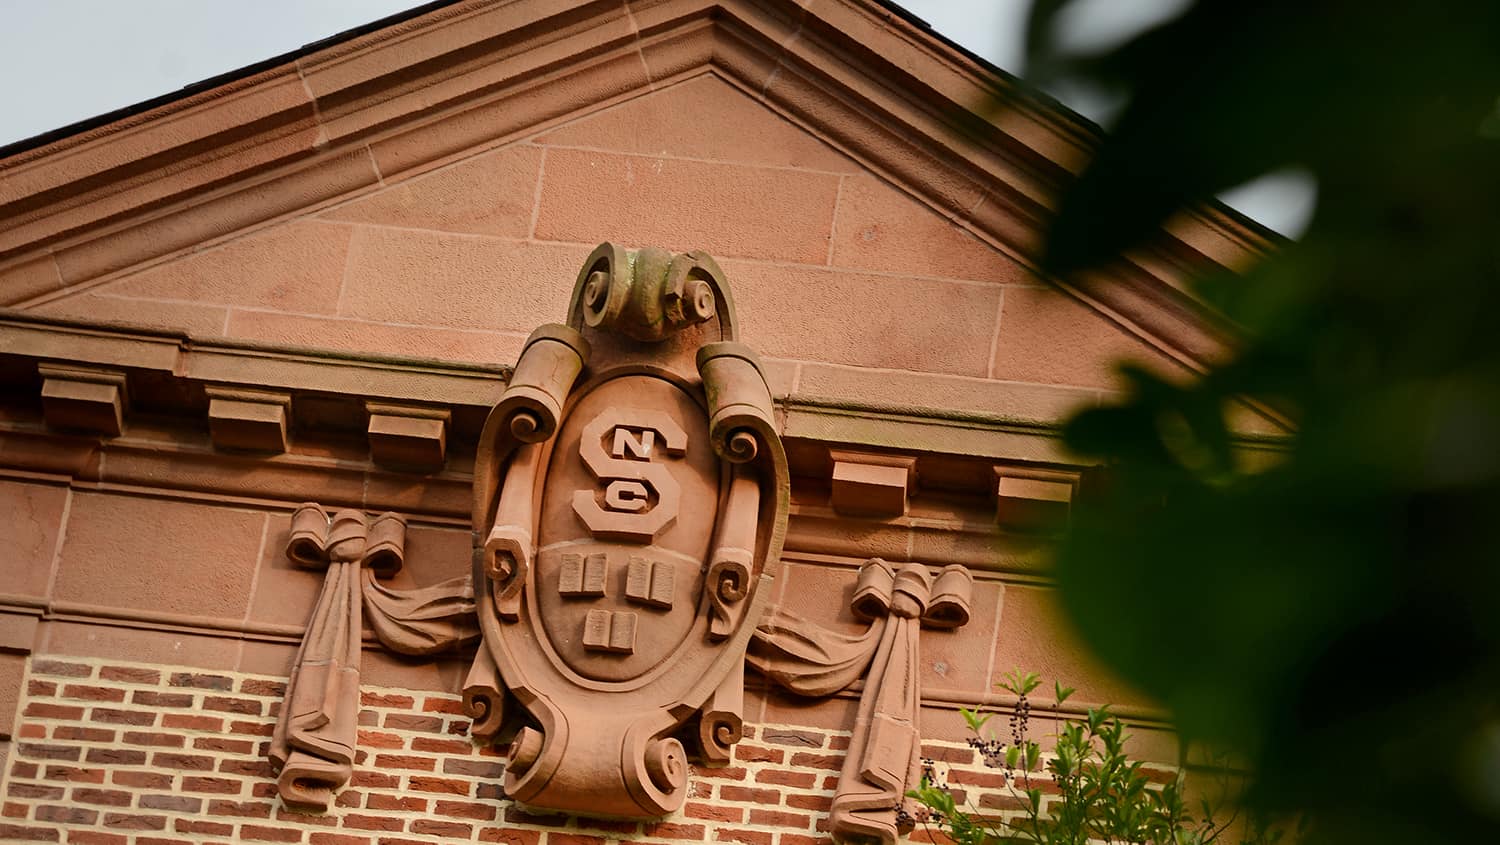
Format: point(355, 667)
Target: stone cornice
point(473, 75)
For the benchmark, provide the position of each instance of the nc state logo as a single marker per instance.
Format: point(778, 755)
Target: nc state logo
point(640, 496)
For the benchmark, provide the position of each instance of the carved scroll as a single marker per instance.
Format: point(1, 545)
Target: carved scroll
point(630, 504)
point(883, 762)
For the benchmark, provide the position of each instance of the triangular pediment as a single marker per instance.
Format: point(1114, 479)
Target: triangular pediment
point(431, 189)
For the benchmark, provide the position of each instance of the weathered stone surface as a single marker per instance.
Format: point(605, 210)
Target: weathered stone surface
point(151, 554)
point(727, 126)
point(895, 322)
point(1028, 348)
point(488, 194)
point(294, 267)
point(30, 521)
point(883, 229)
point(724, 209)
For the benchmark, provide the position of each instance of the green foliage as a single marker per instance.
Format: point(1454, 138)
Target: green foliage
point(1333, 616)
point(1101, 795)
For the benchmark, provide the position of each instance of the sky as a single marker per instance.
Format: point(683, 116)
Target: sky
point(69, 60)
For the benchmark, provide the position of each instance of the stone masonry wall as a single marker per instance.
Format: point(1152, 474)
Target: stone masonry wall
point(109, 753)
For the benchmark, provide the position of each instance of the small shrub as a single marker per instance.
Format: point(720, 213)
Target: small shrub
point(1101, 795)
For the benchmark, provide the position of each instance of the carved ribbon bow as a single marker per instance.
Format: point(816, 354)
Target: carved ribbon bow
point(883, 760)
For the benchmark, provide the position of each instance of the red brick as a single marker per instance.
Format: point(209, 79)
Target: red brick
point(725, 773)
point(713, 812)
point(22, 769)
point(672, 830)
point(43, 710)
point(948, 754)
point(66, 815)
point(122, 717)
point(929, 834)
point(489, 792)
point(191, 762)
point(510, 836)
point(444, 785)
point(226, 746)
point(161, 840)
point(758, 754)
point(35, 688)
point(35, 790)
point(175, 803)
point(372, 822)
point(61, 668)
point(324, 838)
point(242, 706)
point(555, 838)
point(143, 780)
point(270, 834)
point(105, 797)
point(151, 698)
point(798, 839)
point(404, 722)
point(749, 837)
point(831, 762)
point(380, 739)
point(32, 731)
point(116, 757)
point(748, 795)
point(194, 826)
point(465, 810)
point(1002, 801)
point(395, 702)
point(441, 746)
point(70, 732)
point(134, 821)
point(48, 752)
point(219, 786)
point(986, 780)
point(129, 675)
point(160, 740)
point(74, 774)
point(259, 768)
point(404, 803)
point(473, 768)
point(254, 686)
point(776, 818)
point(444, 705)
point(405, 761)
point(92, 693)
point(430, 827)
point(802, 780)
point(183, 721)
point(818, 803)
point(242, 809)
point(791, 737)
point(95, 837)
point(23, 833)
point(251, 728)
point(14, 810)
point(375, 780)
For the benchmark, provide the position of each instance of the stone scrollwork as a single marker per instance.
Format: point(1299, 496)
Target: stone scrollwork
point(627, 442)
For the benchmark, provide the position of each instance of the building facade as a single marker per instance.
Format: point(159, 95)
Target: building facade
point(243, 324)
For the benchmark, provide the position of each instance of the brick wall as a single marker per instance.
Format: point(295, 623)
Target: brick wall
point(110, 752)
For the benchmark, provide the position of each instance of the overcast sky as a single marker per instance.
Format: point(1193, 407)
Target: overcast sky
point(67, 60)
